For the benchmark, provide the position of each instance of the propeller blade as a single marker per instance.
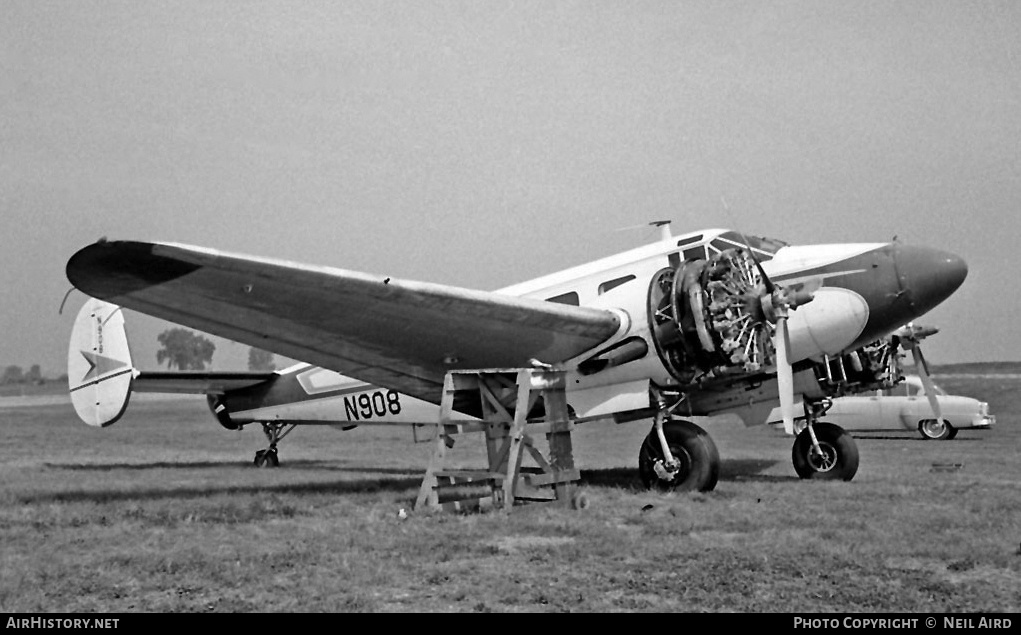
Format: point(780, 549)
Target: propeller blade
point(923, 373)
point(770, 287)
point(784, 374)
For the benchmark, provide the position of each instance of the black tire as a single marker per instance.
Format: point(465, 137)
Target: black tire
point(936, 429)
point(579, 501)
point(266, 458)
point(691, 446)
point(839, 461)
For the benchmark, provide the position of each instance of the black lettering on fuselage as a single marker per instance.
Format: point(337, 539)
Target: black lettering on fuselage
point(372, 405)
point(349, 410)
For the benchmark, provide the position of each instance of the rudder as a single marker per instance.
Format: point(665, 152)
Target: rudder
point(99, 369)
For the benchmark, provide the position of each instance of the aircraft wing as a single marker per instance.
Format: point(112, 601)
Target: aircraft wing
point(399, 334)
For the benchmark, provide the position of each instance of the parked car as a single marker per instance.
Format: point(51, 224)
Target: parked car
point(904, 407)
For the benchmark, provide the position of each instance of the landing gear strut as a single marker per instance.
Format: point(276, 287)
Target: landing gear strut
point(274, 431)
point(824, 450)
point(678, 456)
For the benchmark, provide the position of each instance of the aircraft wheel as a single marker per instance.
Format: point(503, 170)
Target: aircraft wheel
point(936, 429)
point(839, 457)
point(692, 447)
point(579, 500)
point(267, 458)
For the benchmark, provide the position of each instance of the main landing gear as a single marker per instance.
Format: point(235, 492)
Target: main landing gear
point(274, 431)
point(678, 456)
point(824, 450)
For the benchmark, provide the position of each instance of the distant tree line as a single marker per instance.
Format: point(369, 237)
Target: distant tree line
point(259, 359)
point(185, 350)
point(14, 374)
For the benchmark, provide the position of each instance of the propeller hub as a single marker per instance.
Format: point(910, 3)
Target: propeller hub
point(781, 301)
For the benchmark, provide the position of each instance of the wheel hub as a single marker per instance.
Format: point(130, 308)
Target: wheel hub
point(669, 471)
point(665, 472)
point(823, 460)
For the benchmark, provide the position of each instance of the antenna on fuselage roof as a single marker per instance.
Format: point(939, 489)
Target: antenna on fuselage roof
point(664, 229)
point(726, 210)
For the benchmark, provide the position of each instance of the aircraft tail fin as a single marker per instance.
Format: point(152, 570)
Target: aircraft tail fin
point(99, 368)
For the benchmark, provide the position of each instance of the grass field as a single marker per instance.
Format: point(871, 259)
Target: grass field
point(163, 512)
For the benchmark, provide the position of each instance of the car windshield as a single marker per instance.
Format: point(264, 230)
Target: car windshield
point(920, 390)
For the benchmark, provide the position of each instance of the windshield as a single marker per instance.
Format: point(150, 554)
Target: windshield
point(762, 246)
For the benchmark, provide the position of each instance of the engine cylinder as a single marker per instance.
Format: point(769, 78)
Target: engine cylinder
point(707, 318)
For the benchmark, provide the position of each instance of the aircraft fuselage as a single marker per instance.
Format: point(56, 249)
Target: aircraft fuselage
point(861, 291)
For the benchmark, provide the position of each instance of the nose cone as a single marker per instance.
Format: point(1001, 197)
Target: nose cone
point(928, 276)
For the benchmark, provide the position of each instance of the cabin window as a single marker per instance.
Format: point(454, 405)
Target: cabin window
point(571, 297)
point(689, 240)
point(695, 253)
point(613, 284)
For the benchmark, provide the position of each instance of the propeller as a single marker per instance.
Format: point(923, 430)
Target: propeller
point(910, 337)
point(784, 374)
point(776, 304)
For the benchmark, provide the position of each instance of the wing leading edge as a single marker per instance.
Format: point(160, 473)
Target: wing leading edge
point(400, 334)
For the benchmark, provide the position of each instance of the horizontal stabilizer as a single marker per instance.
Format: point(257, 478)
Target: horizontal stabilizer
point(197, 382)
point(99, 370)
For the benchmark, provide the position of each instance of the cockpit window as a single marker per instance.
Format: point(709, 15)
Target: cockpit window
point(763, 247)
point(690, 240)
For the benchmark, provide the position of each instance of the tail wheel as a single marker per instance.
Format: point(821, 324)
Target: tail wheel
point(937, 429)
point(837, 459)
point(694, 451)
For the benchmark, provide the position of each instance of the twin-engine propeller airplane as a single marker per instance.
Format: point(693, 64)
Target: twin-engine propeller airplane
point(701, 324)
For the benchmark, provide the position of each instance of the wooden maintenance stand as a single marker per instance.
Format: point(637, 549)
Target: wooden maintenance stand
point(507, 397)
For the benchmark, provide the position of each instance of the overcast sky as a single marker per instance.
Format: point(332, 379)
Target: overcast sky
point(483, 143)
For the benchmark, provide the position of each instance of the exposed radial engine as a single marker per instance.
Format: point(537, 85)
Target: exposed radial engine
point(711, 318)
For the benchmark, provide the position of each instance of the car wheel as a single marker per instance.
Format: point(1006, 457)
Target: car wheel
point(936, 429)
